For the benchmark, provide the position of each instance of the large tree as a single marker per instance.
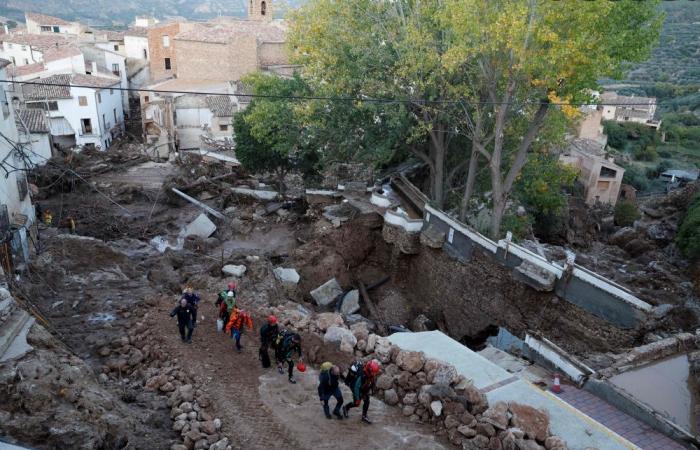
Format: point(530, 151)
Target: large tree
point(486, 70)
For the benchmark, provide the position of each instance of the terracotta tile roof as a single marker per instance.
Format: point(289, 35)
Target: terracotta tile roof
point(34, 119)
point(137, 32)
point(223, 33)
point(221, 105)
point(27, 69)
point(43, 19)
point(65, 51)
point(39, 42)
point(41, 92)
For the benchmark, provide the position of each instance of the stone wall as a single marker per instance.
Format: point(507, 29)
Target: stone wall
point(216, 61)
point(158, 52)
point(273, 54)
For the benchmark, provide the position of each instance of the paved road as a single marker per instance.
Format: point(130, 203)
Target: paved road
point(625, 425)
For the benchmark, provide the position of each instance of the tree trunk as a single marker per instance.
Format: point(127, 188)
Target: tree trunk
point(469, 186)
point(437, 154)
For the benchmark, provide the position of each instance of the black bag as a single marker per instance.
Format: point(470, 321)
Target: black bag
point(354, 373)
point(264, 357)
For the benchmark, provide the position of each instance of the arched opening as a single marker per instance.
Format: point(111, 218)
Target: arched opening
point(263, 8)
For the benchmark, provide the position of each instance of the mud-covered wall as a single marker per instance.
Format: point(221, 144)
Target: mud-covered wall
point(467, 297)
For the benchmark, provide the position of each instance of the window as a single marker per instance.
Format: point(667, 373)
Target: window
point(104, 122)
point(606, 172)
point(99, 98)
point(13, 60)
point(82, 100)
point(223, 127)
point(26, 61)
point(166, 41)
point(145, 54)
point(56, 29)
point(115, 69)
point(22, 188)
point(53, 106)
point(45, 28)
point(116, 47)
point(167, 63)
point(24, 48)
point(263, 8)
point(86, 126)
point(146, 99)
point(115, 116)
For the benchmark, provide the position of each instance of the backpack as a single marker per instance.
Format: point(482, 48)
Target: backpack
point(354, 373)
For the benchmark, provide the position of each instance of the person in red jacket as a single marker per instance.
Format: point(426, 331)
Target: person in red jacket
point(238, 320)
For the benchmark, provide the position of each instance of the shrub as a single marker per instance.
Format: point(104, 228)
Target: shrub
point(634, 177)
point(626, 212)
point(688, 238)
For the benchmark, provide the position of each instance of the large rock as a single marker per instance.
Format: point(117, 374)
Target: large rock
point(186, 392)
point(555, 443)
point(327, 293)
point(533, 422)
point(497, 415)
point(285, 275)
point(371, 342)
point(220, 445)
point(385, 382)
point(327, 320)
point(445, 374)
point(351, 303)
point(360, 330)
point(382, 349)
point(436, 408)
point(233, 270)
point(336, 335)
point(391, 398)
point(410, 361)
point(201, 227)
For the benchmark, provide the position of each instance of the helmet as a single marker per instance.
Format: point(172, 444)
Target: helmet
point(230, 294)
point(373, 367)
point(271, 319)
point(231, 286)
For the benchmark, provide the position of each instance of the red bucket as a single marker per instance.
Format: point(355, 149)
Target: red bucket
point(301, 367)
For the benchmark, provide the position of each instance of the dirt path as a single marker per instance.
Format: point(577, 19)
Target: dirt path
point(261, 410)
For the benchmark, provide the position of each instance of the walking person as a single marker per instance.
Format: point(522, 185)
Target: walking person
point(192, 300)
point(226, 301)
point(268, 334)
point(361, 379)
point(329, 386)
point(185, 320)
point(237, 323)
point(286, 344)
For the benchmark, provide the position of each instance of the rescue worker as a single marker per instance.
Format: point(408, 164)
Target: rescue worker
point(192, 300)
point(329, 386)
point(48, 218)
point(71, 225)
point(362, 384)
point(185, 320)
point(236, 324)
point(268, 334)
point(286, 344)
point(226, 300)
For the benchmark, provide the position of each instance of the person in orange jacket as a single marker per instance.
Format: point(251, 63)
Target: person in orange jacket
point(238, 320)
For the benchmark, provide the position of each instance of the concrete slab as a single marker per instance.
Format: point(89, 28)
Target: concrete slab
point(19, 346)
point(256, 194)
point(201, 226)
point(579, 430)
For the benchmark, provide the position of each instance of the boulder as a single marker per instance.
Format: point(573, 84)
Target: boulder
point(533, 422)
point(371, 342)
point(555, 443)
point(410, 361)
point(351, 303)
point(445, 374)
point(285, 275)
point(186, 392)
point(347, 346)
point(327, 293)
point(220, 445)
point(391, 398)
point(326, 320)
point(335, 334)
point(497, 415)
point(408, 410)
point(385, 382)
point(436, 408)
point(485, 429)
point(360, 330)
point(466, 431)
point(527, 444)
point(382, 349)
point(451, 422)
point(410, 399)
point(233, 270)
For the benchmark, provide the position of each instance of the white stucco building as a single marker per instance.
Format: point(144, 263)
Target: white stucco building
point(43, 24)
point(16, 210)
point(622, 108)
point(136, 43)
point(89, 115)
point(33, 132)
point(101, 61)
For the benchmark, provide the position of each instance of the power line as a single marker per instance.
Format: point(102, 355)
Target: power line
point(326, 98)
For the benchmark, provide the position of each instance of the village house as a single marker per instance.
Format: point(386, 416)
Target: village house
point(600, 176)
point(91, 115)
point(162, 58)
point(65, 59)
point(16, 210)
point(43, 24)
point(25, 49)
point(145, 21)
point(136, 43)
point(33, 132)
point(101, 61)
point(621, 108)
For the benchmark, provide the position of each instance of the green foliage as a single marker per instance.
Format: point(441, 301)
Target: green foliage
point(634, 138)
point(688, 237)
point(626, 212)
point(520, 226)
point(270, 134)
point(635, 177)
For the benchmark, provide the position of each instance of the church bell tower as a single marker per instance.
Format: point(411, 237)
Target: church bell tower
point(260, 10)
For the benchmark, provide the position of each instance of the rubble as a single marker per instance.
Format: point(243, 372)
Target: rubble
point(286, 275)
point(350, 303)
point(327, 293)
point(233, 270)
point(201, 227)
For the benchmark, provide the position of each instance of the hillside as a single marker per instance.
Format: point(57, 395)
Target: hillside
point(121, 13)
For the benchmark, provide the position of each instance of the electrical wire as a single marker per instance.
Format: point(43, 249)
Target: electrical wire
point(326, 98)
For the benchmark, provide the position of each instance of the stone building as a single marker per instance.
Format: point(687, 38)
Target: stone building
point(600, 176)
point(163, 62)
